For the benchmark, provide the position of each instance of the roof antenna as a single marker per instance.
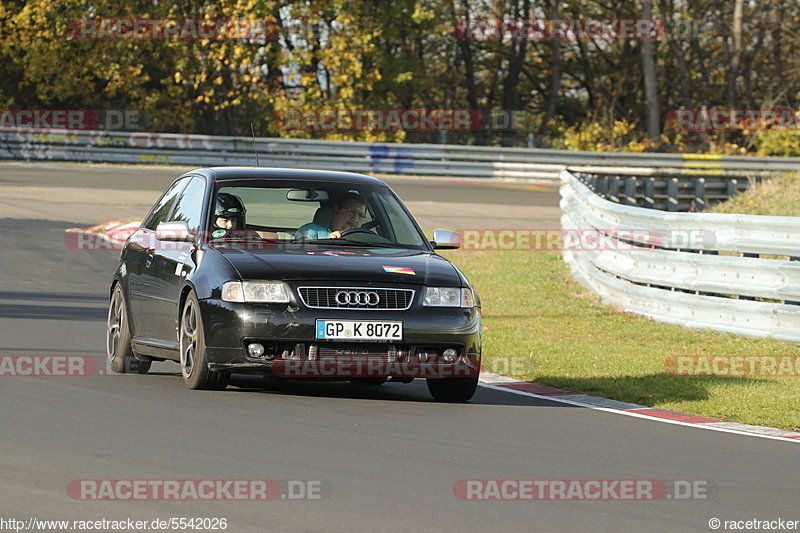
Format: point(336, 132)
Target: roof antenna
point(253, 131)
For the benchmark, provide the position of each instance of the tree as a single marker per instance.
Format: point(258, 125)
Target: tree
point(650, 85)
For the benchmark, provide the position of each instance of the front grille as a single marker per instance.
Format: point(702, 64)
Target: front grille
point(352, 352)
point(382, 299)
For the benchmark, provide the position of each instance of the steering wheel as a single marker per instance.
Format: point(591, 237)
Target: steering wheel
point(369, 225)
point(356, 230)
point(374, 238)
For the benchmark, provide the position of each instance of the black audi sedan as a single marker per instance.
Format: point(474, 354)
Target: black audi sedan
point(293, 274)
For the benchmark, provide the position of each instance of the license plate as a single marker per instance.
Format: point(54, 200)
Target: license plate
point(363, 330)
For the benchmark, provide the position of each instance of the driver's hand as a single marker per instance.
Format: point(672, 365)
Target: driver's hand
point(335, 235)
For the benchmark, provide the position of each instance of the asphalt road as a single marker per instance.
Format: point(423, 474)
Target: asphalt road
point(387, 457)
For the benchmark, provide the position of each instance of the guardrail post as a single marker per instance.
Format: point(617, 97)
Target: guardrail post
point(630, 191)
point(602, 186)
point(613, 189)
point(731, 189)
point(672, 194)
point(649, 186)
point(700, 194)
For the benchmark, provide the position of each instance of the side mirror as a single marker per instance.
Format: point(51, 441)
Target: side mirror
point(444, 239)
point(177, 231)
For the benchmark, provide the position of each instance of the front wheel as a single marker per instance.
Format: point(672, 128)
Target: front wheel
point(452, 389)
point(118, 338)
point(193, 358)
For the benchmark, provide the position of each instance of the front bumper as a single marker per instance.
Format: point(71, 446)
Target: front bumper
point(288, 332)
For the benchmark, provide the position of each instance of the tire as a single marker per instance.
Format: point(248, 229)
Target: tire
point(452, 389)
point(118, 338)
point(369, 381)
point(193, 358)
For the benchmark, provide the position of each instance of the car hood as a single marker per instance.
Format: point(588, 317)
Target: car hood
point(381, 265)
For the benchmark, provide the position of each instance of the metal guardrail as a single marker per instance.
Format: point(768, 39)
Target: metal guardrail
point(721, 280)
point(666, 191)
point(418, 159)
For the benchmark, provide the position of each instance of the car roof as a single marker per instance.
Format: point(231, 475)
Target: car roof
point(268, 173)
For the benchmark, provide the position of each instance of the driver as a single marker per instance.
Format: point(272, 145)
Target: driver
point(348, 214)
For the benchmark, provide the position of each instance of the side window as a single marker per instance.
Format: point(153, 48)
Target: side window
point(401, 230)
point(161, 209)
point(190, 204)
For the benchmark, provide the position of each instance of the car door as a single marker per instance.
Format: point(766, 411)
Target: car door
point(171, 263)
point(139, 257)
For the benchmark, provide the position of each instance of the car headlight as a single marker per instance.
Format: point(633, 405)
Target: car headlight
point(255, 291)
point(448, 297)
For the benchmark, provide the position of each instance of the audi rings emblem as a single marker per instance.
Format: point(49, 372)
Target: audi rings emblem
point(357, 298)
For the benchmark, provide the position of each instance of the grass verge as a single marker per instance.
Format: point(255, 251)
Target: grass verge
point(775, 196)
point(542, 326)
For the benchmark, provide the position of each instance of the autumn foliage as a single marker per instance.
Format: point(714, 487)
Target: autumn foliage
point(352, 55)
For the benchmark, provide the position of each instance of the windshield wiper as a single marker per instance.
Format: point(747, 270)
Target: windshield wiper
point(242, 239)
point(348, 242)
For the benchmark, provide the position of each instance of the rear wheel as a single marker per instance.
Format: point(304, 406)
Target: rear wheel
point(118, 338)
point(193, 359)
point(452, 389)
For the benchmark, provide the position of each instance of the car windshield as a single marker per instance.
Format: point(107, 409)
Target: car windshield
point(314, 214)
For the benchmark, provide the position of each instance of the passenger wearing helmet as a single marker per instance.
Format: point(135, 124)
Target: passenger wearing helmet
point(229, 212)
